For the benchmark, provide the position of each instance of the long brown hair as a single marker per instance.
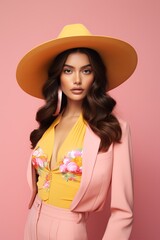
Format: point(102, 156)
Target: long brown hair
point(97, 106)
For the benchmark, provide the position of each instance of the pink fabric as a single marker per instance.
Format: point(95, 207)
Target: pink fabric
point(46, 222)
point(99, 171)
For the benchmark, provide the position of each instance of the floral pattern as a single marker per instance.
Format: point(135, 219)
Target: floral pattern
point(71, 165)
point(40, 161)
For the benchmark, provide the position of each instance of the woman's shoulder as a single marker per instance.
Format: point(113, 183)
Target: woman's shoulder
point(125, 126)
point(122, 121)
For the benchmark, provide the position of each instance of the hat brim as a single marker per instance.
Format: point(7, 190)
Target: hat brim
point(119, 57)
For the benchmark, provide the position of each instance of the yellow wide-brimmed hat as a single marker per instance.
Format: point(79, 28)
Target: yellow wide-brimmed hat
point(119, 57)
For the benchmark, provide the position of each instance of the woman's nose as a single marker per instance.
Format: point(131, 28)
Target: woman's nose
point(77, 78)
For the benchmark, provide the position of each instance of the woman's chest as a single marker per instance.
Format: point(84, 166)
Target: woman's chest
point(65, 138)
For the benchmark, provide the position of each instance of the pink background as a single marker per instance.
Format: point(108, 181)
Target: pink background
point(24, 24)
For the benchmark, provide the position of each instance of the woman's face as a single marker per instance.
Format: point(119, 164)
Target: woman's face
point(77, 76)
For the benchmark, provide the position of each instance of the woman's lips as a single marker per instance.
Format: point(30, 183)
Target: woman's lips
point(77, 90)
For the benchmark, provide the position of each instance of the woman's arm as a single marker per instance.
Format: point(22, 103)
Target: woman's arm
point(120, 222)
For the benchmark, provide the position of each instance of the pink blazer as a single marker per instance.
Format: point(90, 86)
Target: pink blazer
point(100, 171)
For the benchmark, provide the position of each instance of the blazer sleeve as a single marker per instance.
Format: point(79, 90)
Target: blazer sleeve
point(31, 178)
point(120, 222)
point(30, 173)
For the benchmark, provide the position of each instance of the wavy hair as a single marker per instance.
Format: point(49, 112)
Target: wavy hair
point(97, 106)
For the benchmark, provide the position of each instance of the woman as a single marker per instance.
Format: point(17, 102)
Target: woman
point(81, 148)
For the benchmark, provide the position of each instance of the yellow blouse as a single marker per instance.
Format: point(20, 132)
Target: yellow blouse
point(59, 185)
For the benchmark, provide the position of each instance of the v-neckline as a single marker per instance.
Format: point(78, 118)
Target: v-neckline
point(63, 142)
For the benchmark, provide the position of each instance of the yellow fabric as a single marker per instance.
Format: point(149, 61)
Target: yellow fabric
point(54, 186)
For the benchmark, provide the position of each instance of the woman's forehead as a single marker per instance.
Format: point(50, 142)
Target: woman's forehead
point(77, 58)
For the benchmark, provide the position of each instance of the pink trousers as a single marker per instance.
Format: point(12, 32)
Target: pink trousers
point(46, 222)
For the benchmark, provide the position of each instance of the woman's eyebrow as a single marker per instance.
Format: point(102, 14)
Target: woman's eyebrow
point(87, 65)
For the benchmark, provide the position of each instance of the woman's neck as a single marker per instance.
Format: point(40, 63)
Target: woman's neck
point(72, 110)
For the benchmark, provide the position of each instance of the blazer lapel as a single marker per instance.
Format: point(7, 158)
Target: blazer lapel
point(90, 151)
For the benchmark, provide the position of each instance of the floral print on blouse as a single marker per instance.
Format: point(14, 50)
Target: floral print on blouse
point(70, 166)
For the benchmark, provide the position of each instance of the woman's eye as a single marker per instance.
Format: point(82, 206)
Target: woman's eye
point(67, 70)
point(87, 71)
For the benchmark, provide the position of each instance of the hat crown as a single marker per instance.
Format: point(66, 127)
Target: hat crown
point(74, 30)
